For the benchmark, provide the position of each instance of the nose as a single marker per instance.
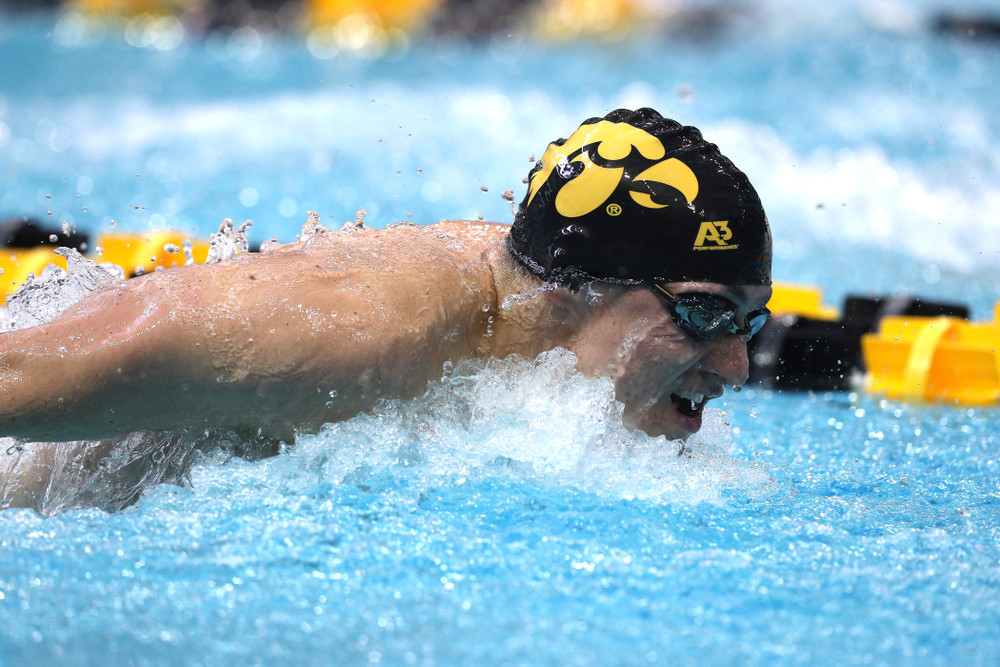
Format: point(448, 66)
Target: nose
point(727, 358)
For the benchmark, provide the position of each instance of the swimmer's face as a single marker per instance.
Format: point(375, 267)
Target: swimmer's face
point(662, 375)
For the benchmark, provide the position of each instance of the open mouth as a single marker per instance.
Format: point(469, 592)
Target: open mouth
point(688, 403)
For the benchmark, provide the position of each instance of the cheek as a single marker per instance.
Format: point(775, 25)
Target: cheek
point(652, 363)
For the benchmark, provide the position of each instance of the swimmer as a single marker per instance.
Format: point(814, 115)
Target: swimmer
point(647, 252)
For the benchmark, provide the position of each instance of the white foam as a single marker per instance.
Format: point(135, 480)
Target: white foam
point(540, 422)
point(507, 421)
point(40, 299)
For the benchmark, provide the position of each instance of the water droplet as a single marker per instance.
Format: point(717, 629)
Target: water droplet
point(518, 299)
point(228, 241)
point(486, 307)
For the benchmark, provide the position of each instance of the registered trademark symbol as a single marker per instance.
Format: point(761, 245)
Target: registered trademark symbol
point(614, 209)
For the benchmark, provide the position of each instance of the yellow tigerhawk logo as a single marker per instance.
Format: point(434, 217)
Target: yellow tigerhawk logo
point(717, 232)
point(595, 184)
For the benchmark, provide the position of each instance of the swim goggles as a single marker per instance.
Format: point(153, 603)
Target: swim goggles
point(704, 316)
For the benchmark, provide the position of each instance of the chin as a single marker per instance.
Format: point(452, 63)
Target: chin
point(667, 422)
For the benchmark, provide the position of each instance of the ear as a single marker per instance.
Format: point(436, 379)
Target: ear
point(562, 297)
point(567, 306)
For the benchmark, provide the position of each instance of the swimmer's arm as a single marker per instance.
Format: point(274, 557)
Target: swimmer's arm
point(100, 368)
point(221, 346)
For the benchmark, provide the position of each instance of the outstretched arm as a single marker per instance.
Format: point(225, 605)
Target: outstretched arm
point(136, 355)
point(286, 340)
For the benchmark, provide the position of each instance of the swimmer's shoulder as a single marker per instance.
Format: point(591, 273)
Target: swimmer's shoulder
point(464, 232)
point(473, 230)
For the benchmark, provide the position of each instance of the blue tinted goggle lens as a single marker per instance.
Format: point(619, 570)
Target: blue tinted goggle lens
point(705, 316)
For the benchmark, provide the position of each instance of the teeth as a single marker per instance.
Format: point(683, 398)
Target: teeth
point(692, 396)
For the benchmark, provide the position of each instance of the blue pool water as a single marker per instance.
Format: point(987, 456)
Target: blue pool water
point(507, 517)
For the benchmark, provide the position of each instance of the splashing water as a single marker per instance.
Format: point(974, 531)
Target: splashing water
point(313, 227)
point(40, 300)
point(110, 474)
point(539, 421)
point(356, 224)
point(187, 246)
point(228, 241)
point(512, 300)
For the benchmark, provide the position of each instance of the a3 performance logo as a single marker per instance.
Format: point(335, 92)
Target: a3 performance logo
point(717, 233)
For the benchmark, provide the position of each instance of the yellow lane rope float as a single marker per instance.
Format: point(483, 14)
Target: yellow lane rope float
point(805, 300)
point(17, 264)
point(935, 359)
point(135, 253)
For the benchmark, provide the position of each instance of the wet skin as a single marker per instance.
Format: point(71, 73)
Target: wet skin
point(663, 376)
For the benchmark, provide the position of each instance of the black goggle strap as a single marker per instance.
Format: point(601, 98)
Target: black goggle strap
point(705, 316)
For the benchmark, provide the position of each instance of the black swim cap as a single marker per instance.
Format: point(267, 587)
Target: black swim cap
point(638, 198)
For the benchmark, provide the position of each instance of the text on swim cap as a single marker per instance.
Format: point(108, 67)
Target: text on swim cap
point(716, 232)
point(595, 184)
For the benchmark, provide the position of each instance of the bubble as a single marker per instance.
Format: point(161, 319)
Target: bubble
point(432, 191)
point(84, 185)
point(60, 138)
point(249, 197)
point(288, 207)
point(244, 44)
